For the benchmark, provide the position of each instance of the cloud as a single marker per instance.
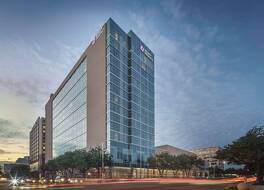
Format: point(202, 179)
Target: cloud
point(13, 139)
point(10, 131)
point(31, 89)
point(28, 69)
point(174, 8)
point(195, 105)
point(4, 152)
point(198, 97)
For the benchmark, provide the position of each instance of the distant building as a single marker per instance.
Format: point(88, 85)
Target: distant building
point(172, 150)
point(37, 145)
point(209, 156)
point(24, 160)
point(8, 167)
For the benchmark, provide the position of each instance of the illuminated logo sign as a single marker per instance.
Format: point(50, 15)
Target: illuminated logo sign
point(146, 52)
point(142, 48)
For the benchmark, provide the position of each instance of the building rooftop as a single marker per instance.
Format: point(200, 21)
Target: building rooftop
point(212, 148)
point(172, 150)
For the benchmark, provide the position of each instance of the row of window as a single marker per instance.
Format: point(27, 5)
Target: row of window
point(70, 121)
point(134, 136)
point(128, 135)
point(135, 154)
point(72, 93)
point(119, 52)
point(70, 83)
point(69, 118)
point(71, 133)
point(76, 143)
point(141, 69)
point(76, 103)
point(117, 72)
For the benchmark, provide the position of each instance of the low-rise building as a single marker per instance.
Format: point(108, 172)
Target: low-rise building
point(24, 160)
point(209, 156)
point(8, 167)
point(172, 150)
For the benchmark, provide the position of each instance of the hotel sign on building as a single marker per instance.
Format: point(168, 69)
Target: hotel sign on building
point(146, 52)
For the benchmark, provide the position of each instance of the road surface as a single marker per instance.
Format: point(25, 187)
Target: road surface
point(134, 186)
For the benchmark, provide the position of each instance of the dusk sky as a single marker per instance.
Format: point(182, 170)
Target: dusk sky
point(209, 63)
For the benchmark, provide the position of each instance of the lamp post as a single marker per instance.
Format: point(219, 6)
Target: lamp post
point(102, 160)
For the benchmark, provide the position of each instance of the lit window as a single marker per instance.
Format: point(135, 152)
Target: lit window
point(143, 66)
point(144, 59)
point(116, 36)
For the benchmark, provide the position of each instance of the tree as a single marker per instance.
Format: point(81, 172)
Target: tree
point(66, 163)
point(96, 155)
point(20, 170)
point(197, 163)
point(164, 161)
point(247, 150)
point(176, 165)
point(160, 161)
point(215, 171)
point(82, 160)
point(51, 167)
point(188, 162)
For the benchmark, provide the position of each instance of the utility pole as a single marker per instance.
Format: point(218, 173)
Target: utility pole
point(102, 160)
point(214, 171)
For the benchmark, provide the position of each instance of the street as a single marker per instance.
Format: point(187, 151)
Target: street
point(156, 186)
point(133, 186)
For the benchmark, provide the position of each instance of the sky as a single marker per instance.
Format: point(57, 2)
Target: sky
point(209, 63)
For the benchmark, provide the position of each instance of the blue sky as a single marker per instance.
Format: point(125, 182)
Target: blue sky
point(209, 63)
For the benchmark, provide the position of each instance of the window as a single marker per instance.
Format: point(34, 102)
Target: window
point(143, 66)
point(116, 36)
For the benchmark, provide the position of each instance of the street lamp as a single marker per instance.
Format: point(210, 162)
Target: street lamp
point(102, 160)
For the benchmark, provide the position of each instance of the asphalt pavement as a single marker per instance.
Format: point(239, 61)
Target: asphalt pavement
point(133, 186)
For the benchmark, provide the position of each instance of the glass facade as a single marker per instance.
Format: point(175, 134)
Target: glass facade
point(129, 102)
point(69, 113)
point(130, 98)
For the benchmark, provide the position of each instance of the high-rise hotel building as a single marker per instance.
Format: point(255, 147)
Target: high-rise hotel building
point(107, 98)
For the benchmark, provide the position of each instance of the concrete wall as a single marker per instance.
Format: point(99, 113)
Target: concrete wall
point(48, 116)
point(96, 94)
point(96, 91)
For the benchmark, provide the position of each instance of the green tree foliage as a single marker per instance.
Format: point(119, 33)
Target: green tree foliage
point(215, 172)
point(189, 162)
point(176, 164)
point(82, 161)
point(98, 154)
point(247, 150)
point(165, 161)
point(20, 171)
point(78, 161)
